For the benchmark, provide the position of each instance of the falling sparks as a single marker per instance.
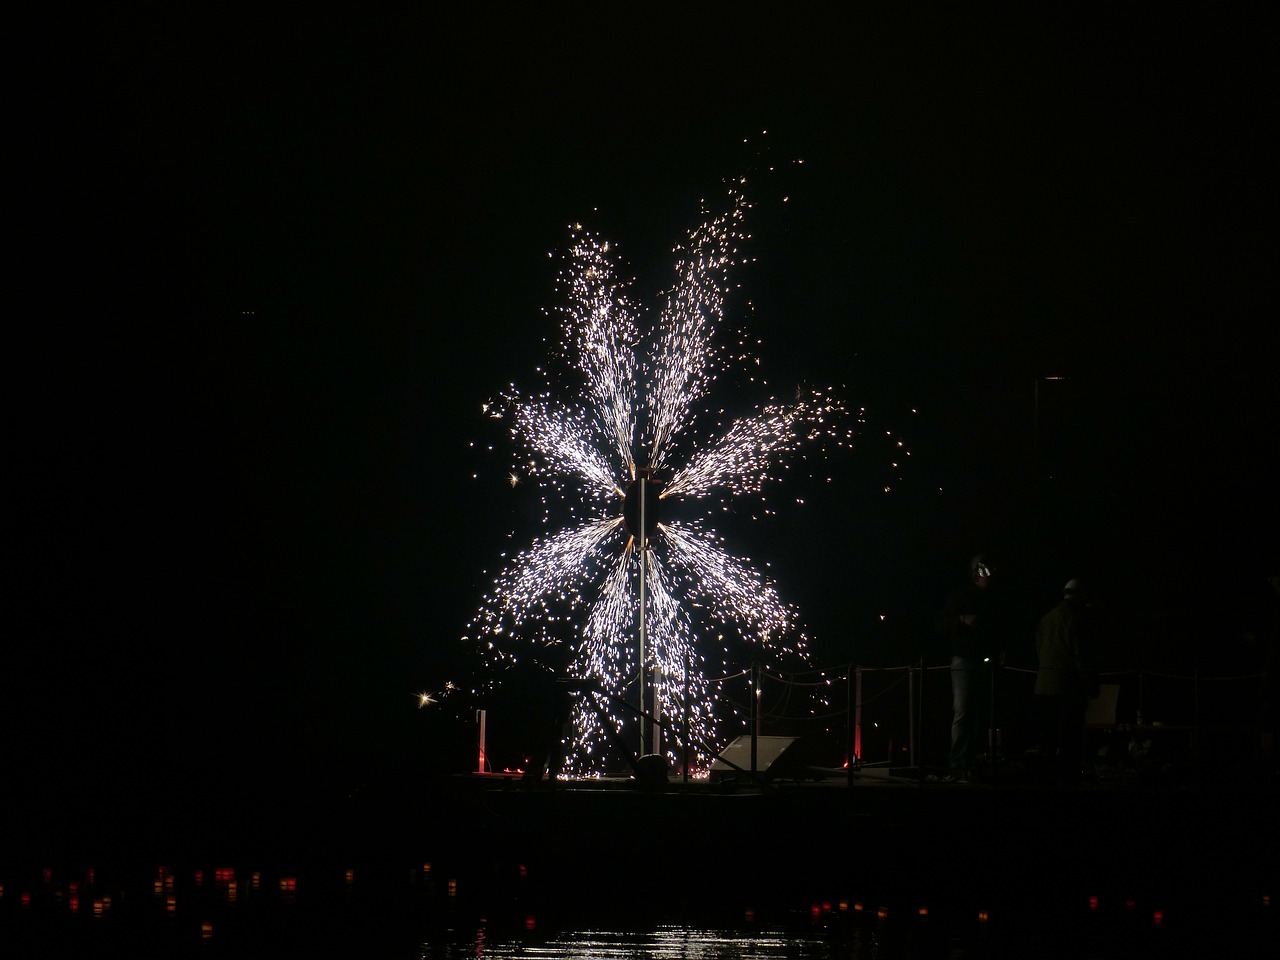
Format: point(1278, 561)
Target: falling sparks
point(634, 405)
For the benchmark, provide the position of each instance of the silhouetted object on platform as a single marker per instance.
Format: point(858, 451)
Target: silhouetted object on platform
point(1263, 634)
point(774, 757)
point(552, 712)
point(975, 624)
point(1065, 641)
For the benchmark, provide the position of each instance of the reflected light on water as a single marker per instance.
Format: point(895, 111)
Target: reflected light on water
point(663, 943)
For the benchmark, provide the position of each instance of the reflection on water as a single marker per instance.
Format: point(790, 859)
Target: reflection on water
point(416, 913)
point(672, 942)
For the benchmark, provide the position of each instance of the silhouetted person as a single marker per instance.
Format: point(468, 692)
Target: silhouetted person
point(974, 623)
point(1264, 633)
point(1065, 638)
point(552, 706)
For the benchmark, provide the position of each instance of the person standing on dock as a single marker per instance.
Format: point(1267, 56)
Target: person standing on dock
point(1064, 638)
point(974, 623)
point(1263, 633)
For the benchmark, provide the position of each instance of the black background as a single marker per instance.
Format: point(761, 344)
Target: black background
point(265, 269)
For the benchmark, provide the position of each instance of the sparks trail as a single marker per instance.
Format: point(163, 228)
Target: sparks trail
point(643, 389)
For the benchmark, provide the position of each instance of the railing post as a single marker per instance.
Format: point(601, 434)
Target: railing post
point(857, 713)
point(911, 714)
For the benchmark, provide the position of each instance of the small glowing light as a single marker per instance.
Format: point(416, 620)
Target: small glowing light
point(882, 912)
point(453, 888)
point(983, 916)
point(206, 930)
point(1157, 917)
point(923, 912)
point(1093, 903)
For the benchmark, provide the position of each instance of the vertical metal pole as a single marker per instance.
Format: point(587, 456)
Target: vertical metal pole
point(480, 717)
point(1195, 729)
point(657, 709)
point(911, 719)
point(640, 539)
point(686, 715)
point(850, 754)
point(755, 715)
point(857, 713)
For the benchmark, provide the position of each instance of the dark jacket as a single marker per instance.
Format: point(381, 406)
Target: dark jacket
point(987, 636)
point(1063, 641)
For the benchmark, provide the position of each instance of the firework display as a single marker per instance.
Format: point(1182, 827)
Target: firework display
point(661, 618)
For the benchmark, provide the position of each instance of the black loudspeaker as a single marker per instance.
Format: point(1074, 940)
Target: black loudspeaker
point(772, 758)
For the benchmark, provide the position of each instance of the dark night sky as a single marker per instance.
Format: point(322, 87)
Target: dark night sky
point(265, 270)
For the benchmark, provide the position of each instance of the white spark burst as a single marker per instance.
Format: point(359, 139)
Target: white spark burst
point(642, 391)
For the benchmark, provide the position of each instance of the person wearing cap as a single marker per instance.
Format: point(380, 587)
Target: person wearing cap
point(974, 623)
point(1263, 634)
point(1063, 641)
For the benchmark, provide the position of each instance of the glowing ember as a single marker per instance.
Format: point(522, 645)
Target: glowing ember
point(632, 404)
